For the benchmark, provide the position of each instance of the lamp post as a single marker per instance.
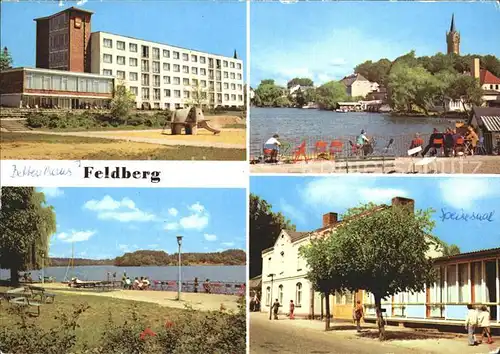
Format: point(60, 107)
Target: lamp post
point(271, 296)
point(179, 287)
point(42, 254)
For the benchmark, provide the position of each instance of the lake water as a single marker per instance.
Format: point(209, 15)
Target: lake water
point(214, 273)
point(294, 125)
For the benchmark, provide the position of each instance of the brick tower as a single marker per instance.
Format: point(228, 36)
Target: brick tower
point(63, 40)
point(453, 38)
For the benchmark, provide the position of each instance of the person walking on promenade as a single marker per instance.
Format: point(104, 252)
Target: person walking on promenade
point(484, 324)
point(276, 307)
point(471, 324)
point(358, 314)
point(292, 309)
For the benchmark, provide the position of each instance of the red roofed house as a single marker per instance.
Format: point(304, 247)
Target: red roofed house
point(489, 83)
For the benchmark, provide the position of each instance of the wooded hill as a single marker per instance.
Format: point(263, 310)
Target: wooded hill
point(160, 258)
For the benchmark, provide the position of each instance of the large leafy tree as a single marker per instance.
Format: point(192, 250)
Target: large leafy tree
point(330, 94)
point(268, 93)
point(369, 251)
point(26, 224)
point(265, 227)
point(5, 59)
point(375, 71)
point(467, 89)
point(304, 82)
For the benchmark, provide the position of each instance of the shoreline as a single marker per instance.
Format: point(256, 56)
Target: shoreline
point(198, 301)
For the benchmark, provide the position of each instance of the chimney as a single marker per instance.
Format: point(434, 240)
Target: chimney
point(475, 68)
point(330, 219)
point(404, 202)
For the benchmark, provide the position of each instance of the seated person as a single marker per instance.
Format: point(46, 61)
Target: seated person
point(146, 284)
point(361, 139)
point(206, 286)
point(449, 142)
point(273, 145)
point(416, 142)
point(137, 284)
point(435, 135)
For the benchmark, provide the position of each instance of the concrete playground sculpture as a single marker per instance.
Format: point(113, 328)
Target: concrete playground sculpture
point(189, 119)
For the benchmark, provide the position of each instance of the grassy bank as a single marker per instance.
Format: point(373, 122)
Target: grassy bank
point(107, 325)
point(20, 146)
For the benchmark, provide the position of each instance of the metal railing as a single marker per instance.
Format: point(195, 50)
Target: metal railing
point(396, 146)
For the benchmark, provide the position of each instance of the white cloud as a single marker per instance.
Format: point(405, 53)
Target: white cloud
point(154, 246)
point(292, 212)
point(173, 211)
point(123, 210)
point(227, 244)
point(126, 216)
point(52, 192)
point(195, 221)
point(197, 208)
point(465, 192)
point(75, 236)
point(345, 193)
point(210, 237)
point(82, 254)
point(171, 226)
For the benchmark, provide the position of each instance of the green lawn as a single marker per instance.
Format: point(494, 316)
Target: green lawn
point(94, 321)
point(56, 147)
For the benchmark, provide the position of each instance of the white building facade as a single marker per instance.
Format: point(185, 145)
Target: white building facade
point(162, 76)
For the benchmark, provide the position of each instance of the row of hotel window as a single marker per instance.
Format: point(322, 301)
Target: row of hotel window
point(120, 45)
point(67, 83)
point(457, 283)
point(167, 80)
point(185, 94)
point(121, 60)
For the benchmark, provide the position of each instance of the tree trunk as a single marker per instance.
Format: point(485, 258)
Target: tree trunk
point(327, 310)
point(14, 276)
point(380, 319)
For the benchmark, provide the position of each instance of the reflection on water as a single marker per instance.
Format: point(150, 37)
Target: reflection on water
point(214, 273)
point(294, 124)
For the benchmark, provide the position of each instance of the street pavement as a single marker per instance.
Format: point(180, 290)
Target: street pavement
point(282, 337)
point(309, 337)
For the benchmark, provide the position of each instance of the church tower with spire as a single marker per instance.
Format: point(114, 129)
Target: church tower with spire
point(453, 38)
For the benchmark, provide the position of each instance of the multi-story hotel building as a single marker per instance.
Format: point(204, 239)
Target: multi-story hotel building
point(160, 76)
point(167, 77)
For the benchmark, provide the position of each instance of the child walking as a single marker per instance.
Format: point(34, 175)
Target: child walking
point(484, 324)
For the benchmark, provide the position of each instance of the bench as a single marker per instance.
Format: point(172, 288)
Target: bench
point(25, 302)
point(40, 292)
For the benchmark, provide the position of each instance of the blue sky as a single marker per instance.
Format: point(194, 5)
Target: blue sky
point(305, 199)
point(326, 40)
point(217, 28)
point(107, 222)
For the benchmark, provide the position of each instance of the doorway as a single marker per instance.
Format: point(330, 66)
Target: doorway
point(491, 292)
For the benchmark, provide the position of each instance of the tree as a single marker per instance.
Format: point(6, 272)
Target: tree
point(375, 72)
point(369, 251)
point(265, 227)
point(198, 95)
point(5, 60)
point(467, 89)
point(122, 103)
point(325, 262)
point(304, 82)
point(268, 93)
point(282, 101)
point(330, 94)
point(26, 224)
point(411, 86)
point(300, 98)
point(451, 250)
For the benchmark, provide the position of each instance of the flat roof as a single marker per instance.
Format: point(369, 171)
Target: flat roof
point(66, 10)
point(170, 45)
point(491, 252)
point(61, 72)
